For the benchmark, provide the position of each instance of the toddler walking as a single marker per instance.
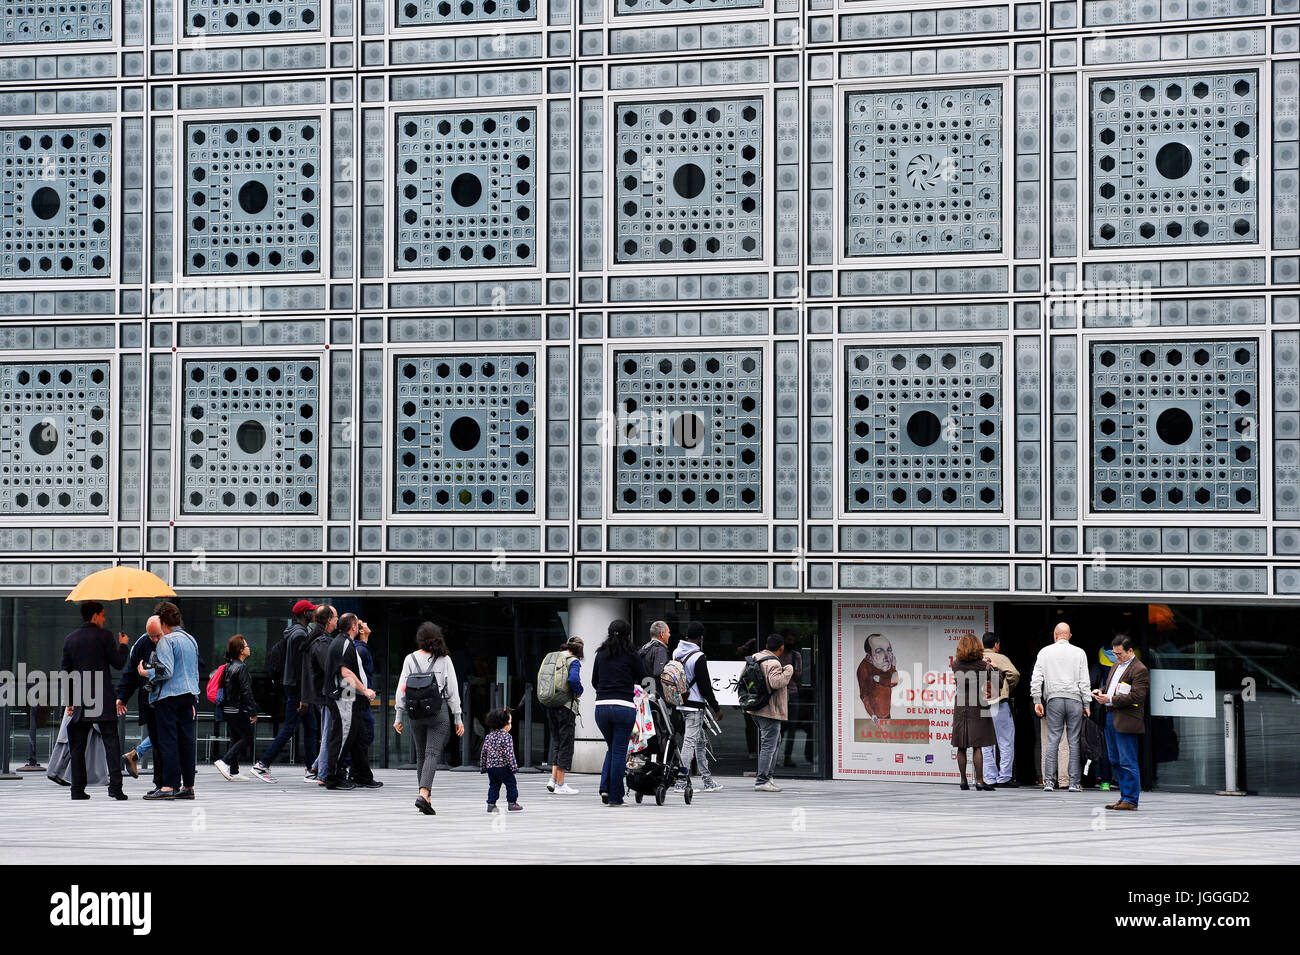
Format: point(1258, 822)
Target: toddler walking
point(497, 759)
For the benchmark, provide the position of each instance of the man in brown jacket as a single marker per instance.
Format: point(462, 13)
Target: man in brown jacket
point(998, 772)
point(770, 717)
point(1125, 699)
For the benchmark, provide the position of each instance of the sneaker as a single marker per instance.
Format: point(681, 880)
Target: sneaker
point(260, 772)
point(345, 785)
point(767, 787)
point(223, 768)
point(515, 807)
point(492, 807)
point(550, 785)
point(310, 775)
point(1105, 787)
point(1076, 789)
point(604, 797)
point(712, 786)
point(1049, 788)
point(566, 790)
point(238, 778)
point(680, 788)
point(371, 784)
point(132, 763)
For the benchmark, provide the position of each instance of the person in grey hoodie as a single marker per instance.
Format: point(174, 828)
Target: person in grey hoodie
point(694, 743)
point(1061, 691)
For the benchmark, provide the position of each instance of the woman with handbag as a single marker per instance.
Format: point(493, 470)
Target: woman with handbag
point(428, 694)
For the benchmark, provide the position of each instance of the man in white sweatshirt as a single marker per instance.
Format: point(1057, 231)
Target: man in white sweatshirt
point(1060, 681)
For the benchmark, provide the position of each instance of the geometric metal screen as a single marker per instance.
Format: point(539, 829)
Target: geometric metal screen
point(1175, 426)
point(1173, 160)
point(55, 192)
point(924, 171)
point(689, 430)
point(222, 18)
point(54, 443)
point(465, 433)
point(250, 437)
point(924, 428)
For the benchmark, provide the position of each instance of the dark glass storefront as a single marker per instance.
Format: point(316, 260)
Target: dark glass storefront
point(497, 645)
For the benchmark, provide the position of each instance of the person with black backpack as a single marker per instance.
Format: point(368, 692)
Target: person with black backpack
point(284, 663)
point(429, 697)
point(763, 695)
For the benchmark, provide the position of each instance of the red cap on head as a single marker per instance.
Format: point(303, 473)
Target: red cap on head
point(303, 606)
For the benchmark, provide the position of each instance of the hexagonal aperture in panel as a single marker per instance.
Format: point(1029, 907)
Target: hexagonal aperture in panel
point(250, 437)
point(924, 428)
point(688, 181)
point(54, 438)
point(412, 13)
point(1175, 426)
point(689, 430)
point(924, 171)
point(1174, 160)
point(465, 437)
point(252, 197)
point(55, 197)
point(251, 17)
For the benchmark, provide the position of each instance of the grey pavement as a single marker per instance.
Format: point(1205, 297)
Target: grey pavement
point(810, 821)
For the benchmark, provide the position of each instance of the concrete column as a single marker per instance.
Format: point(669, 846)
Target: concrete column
point(589, 618)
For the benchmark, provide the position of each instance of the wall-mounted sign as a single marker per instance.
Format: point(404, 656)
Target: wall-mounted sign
point(1182, 693)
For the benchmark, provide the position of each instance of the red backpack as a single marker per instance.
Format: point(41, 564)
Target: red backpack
point(214, 684)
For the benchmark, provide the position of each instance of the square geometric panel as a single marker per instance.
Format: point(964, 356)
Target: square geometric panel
point(239, 17)
point(250, 434)
point(54, 438)
point(641, 8)
point(467, 189)
point(56, 22)
point(1174, 160)
point(689, 430)
point(924, 171)
point(924, 428)
point(55, 194)
point(441, 12)
point(465, 434)
point(1175, 426)
point(688, 181)
point(252, 200)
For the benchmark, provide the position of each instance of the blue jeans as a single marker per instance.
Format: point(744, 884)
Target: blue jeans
point(145, 745)
point(1122, 748)
point(695, 744)
point(322, 764)
point(615, 723)
point(499, 776)
point(769, 738)
point(291, 718)
point(999, 770)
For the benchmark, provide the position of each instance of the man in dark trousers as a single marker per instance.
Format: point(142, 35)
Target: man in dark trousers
point(1125, 699)
point(132, 682)
point(346, 693)
point(295, 706)
point(91, 651)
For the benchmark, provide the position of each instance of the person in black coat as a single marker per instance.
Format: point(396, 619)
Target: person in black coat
point(239, 707)
point(132, 682)
point(91, 651)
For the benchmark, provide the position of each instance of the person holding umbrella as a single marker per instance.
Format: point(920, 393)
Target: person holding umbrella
point(92, 653)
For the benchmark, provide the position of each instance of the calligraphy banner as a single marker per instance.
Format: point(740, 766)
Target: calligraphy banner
point(1183, 693)
point(895, 688)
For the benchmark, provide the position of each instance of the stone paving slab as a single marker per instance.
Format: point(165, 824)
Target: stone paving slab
point(810, 822)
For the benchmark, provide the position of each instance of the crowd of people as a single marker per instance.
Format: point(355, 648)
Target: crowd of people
point(1066, 693)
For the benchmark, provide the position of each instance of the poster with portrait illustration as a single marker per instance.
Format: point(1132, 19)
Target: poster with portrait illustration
point(894, 687)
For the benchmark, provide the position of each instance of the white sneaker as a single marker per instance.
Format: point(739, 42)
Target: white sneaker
point(768, 787)
point(564, 789)
point(680, 787)
point(1076, 789)
point(237, 778)
point(261, 773)
point(550, 785)
point(223, 768)
point(712, 787)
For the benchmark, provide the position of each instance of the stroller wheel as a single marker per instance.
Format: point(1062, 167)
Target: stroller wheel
point(639, 797)
point(660, 795)
point(688, 795)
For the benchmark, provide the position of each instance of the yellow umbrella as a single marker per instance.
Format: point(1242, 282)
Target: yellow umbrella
point(120, 583)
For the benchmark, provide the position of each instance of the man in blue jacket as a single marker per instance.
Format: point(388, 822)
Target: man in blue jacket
point(92, 652)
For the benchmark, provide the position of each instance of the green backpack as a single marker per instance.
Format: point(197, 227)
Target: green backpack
point(553, 679)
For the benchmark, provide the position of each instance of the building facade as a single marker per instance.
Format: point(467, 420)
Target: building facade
point(502, 310)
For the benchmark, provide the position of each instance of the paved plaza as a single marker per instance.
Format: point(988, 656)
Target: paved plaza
point(811, 821)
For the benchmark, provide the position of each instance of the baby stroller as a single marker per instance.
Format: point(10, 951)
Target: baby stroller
point(655, 770)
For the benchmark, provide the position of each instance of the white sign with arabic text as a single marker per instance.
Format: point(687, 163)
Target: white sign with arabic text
point(1182, 693)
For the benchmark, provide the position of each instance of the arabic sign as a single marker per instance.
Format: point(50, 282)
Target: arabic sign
point(725, 677)
point(1183, 693)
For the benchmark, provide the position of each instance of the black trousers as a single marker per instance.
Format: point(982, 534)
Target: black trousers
point(347, 737)
point(241, 739)
point(78, 734)
point(151, 724)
